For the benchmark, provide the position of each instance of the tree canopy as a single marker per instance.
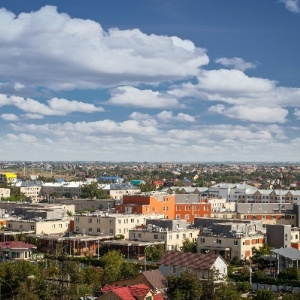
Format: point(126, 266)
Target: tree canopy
point(92, 190)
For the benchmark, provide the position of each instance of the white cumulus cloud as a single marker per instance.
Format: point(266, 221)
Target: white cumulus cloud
point(292, 5)
point(236, 63)
point(64, 53)
point(131, 96)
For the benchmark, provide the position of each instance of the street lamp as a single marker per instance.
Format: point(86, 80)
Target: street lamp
point(12, 291)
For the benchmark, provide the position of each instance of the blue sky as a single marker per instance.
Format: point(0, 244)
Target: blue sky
point(150, 80)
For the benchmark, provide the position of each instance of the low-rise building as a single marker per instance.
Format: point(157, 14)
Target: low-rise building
point(31, 190)
point(231, 239)
point(39, 226)
point(4, 193)
point(16, 251)
point(110, 224)
point(171, 232)
point(7, 177)
point(174, 263)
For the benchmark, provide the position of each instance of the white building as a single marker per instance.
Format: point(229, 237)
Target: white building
point(110, 224)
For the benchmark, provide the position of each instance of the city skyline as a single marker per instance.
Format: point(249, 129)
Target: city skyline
point(152, 81)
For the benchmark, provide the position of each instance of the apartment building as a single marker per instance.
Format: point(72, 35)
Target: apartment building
point(39, 226)
point(110, 224)
point(7, 177)
point(148, 203)
point(62, 189)
point(175, 206)
point(171, 232)
point(190, 206)
point(82, 205)
point(118, 190)
point(32, 190)
point(230, 239)
point(4, 193)
point(270, 213)
point(37, 210)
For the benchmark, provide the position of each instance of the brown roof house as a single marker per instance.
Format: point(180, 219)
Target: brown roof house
point(173, 263)
point(16, 250)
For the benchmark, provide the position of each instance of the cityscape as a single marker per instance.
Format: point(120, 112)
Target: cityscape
point(149, 150)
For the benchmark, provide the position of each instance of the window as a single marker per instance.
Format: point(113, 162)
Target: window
point(60, 225)
point(32, 227)
point(90, 220)
point(90, 229)
point(98, 229)
point(177, 217)
point(77, 219)
point(132, 220)
point(187, 216)
point(155, 236)
point(235, 243)
point(98, 221)
point(219, 241)
point(177, 236)
point(77, 228)
point(202, 240)
point(111, 231)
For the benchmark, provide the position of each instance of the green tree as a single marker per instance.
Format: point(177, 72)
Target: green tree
point(189, 246)
point(265, 249)
point(147, 187)
point(260, 276)
point(227, 291)
point(112, 263)
point(290, 274)
point(292, 296)
point(92, 190)
point(187, 286)
point(264, 295)
point(154, 253)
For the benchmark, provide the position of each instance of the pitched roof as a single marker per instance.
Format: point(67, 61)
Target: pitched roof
point(289, 252)
point(16, 245)
point(156, 279)
point(123, 292)
point(127, 292)
point(188, 259)
point(139, 290)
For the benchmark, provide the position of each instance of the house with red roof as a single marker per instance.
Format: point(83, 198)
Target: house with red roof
point(16, 250)
point(131, 292)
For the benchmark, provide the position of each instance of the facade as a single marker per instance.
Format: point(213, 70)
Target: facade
point(231, 239)
point(82, 205)
point(16, 250)
point(117, 191)
point(39, 226)
point(110, 224)
point(32, 190)
point(174, 263)
point(269, 213)
point(62, 189)
point(37, 210)
point(155, 203)
point(279, 235)
point(190, 206)
point(183, 206)
point(4, 193)
point(171, 232)
point(6, 177)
